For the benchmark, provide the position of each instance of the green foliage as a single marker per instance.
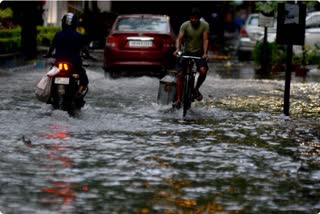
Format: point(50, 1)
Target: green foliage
point(7, 45)
point(10, 40)
point(6, 13)
point(267, 7)
point(7, 33)
point(257, 53)
point(313, 55)
point(275, 52)
point(43, 29)
point(296, 59)
point(45, 35)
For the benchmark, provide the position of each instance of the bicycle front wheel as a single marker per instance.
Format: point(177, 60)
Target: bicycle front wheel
point(187, 93)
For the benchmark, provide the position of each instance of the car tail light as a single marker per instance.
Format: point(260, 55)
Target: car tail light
point(168, 43)
point(111, 41)
point(243, 32)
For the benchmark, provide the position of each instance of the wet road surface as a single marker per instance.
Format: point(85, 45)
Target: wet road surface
point(235, 152)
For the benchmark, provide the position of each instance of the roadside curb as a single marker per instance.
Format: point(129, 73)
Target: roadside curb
point(22, 68)
point(15, 61)
point(6, 55)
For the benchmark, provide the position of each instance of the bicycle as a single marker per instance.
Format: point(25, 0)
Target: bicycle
point(189, 74)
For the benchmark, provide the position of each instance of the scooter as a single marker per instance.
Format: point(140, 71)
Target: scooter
point(60, 88)
point(64, 88)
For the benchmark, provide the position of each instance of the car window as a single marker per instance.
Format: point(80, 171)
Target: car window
point(313, 21)
point(142, 24)
point(254, 21)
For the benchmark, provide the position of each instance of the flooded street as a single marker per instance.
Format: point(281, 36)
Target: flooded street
point(235, 152)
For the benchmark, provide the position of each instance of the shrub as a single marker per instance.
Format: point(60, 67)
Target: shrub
point(278, 54)
point(10, 40)
point(275, 53)
point(6, 13)
point(7, 33)
point(9, 44)
point(45, 35)
point(313, 55)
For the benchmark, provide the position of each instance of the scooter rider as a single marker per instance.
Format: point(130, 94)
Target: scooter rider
point(68, 45)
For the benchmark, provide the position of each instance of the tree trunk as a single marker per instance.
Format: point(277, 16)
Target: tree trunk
point(28, 15)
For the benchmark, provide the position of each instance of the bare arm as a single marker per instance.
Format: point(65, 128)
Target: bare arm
point(178, 43)
point(205, 45)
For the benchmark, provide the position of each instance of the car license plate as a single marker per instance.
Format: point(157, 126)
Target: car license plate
point(61, 80)
point(140, 43)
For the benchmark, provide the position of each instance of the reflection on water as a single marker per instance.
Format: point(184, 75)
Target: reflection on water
point(232, 69)
point(234, 153)
point(61, 190)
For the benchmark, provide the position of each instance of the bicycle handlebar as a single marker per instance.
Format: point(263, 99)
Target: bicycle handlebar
point(191, 57)
point(188, 56)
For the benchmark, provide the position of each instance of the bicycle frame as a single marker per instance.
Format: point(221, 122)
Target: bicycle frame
point(188, 82)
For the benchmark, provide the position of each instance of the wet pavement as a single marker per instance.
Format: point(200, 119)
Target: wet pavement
point(235, 152)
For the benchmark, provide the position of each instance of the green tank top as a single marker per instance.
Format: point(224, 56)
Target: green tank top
point(193, 38)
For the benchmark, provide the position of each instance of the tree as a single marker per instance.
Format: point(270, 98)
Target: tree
point(267, 8)
point(28, 15)
point(6, 18)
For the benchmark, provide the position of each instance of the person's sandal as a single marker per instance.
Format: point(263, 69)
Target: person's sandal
point(197, 95)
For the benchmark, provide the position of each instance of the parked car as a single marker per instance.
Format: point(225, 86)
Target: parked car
point(312, 33)
point(140, 40)
point(250, 33)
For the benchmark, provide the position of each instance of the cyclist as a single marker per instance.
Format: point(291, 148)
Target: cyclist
point(193, 37)
point(68, 44)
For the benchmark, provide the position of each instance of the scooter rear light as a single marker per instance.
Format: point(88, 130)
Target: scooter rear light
point(63, 66)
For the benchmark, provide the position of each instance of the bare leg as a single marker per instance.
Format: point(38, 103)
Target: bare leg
point(202, 77)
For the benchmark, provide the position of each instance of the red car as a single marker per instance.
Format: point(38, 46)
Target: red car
point(140, 40)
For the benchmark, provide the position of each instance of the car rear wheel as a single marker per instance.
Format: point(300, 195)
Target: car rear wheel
point(113, 74)
point(108, 72)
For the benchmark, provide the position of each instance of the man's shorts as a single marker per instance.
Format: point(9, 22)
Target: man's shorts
point(199, 63)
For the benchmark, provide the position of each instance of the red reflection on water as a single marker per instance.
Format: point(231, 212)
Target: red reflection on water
point(59, 135)
point(57, 153)
point(61, 189)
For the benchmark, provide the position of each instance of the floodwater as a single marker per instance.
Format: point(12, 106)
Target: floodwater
point(235, 152)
